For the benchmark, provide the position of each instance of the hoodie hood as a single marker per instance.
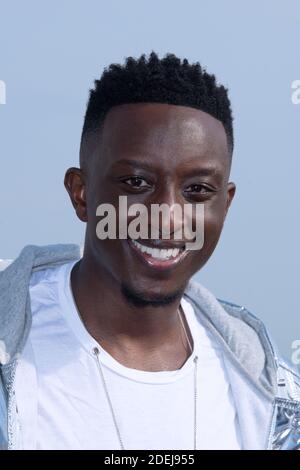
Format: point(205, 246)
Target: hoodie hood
point(15, 310)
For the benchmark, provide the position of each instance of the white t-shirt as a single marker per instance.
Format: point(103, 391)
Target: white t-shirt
point(154, 410)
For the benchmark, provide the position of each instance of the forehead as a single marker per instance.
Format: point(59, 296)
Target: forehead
point(168, 134)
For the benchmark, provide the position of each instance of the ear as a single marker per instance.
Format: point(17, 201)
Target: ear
point(231, 188)
point(75, 185)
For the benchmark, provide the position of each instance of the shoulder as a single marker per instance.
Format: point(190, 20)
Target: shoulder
point(287, 374)
point(250, 332)
point(4, 263)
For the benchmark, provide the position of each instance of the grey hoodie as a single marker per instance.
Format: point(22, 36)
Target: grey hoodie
point(266, 390)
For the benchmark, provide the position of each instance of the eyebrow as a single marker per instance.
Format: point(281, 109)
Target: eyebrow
point(208, 171)
point(202, 172)
point(134, 163)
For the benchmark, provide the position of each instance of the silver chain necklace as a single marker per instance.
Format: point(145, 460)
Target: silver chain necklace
point(96, 353)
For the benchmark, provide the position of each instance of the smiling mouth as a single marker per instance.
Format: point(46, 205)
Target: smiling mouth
point(160, 258)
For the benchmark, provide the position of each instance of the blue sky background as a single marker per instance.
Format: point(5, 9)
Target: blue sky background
point(50, 53)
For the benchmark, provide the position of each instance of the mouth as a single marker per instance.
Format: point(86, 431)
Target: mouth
point(167, 256)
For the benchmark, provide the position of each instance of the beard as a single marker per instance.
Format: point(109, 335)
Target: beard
point(141, 299)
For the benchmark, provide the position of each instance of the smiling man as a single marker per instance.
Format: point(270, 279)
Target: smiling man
point(118, 348)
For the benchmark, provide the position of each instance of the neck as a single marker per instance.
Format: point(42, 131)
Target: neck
point(147, 338)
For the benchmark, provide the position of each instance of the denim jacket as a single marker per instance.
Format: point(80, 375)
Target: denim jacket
point(266, 390)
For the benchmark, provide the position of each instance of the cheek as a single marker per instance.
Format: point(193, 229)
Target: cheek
point(213, 224)
point(96, 196)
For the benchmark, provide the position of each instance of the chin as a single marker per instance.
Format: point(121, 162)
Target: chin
point(146, 298)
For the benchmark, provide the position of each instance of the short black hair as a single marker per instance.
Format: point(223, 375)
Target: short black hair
point(153, 80)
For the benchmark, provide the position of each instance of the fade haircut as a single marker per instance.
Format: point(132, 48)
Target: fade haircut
point(150, 79)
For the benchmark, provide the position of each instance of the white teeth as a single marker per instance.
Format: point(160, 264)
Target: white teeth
point(156, 252)
point(175, 252)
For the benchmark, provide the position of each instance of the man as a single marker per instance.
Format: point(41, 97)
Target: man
point(118, 348)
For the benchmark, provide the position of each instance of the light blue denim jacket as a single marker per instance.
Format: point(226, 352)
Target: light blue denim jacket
point(266, 389)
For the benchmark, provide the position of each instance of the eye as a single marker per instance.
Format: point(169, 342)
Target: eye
point(136, 182)
point(199, 192)
point(198, 189)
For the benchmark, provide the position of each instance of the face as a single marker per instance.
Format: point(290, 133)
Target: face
point(153, 154)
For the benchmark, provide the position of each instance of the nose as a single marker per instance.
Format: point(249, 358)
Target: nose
point(167, 203)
